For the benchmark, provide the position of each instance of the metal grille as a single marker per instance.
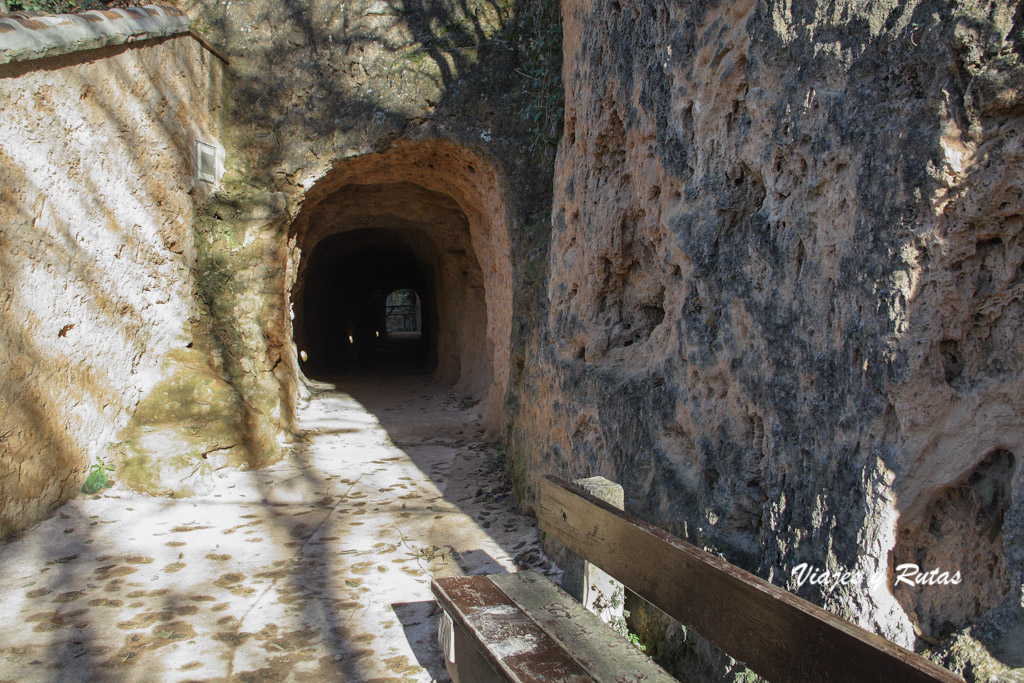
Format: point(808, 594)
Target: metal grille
point(402, 310)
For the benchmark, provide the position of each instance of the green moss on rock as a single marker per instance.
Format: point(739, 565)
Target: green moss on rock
point(189, 425)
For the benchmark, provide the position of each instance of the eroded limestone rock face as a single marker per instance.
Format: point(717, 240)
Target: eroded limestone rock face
point(785, 294)
point(96, 252)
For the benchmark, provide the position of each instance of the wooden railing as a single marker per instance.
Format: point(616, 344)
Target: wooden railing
point(773, 632)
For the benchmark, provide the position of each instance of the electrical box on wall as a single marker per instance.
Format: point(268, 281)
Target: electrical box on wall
point(206, 162)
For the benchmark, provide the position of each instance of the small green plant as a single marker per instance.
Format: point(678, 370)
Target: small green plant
point(98, 478)
point(201, 26)
point(538, 37)
point(602, 603)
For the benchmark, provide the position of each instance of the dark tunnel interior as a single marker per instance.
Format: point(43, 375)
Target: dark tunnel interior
point(387, 280)
point(345, 320)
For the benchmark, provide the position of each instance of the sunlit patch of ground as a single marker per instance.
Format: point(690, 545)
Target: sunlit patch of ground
point(315, 569)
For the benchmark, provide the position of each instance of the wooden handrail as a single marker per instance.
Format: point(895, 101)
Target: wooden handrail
point(777, 634)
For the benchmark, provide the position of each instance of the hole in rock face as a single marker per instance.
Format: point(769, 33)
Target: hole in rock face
point(962, 532)
point(952, 360)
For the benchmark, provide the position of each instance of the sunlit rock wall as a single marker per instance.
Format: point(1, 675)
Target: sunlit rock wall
point(785, 297)
point(97, 195)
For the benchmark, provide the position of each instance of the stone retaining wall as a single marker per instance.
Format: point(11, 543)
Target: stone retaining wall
point(97, 197)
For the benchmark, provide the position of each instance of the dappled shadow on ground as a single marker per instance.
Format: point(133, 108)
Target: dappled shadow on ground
point(318, 566)
point(412, 615)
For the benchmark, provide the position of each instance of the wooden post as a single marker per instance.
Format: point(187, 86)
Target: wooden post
point(464, 662)
point(593, 587)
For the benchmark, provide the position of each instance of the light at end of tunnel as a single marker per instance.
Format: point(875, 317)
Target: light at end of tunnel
point(303, 356)
point(351, 340)
point(377, 333)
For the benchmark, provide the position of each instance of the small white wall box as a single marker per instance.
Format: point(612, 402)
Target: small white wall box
point(206, 162)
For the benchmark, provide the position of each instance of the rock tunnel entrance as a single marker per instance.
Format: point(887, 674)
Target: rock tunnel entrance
point(424, 221)
point(352, 320)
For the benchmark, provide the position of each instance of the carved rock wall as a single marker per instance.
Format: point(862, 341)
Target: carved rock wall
point(328, 95)
point(785, 294)
point(96, 251)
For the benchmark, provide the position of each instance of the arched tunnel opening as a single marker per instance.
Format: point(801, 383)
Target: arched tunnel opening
point(400, 262)
point(353, 319)
point(367, 241)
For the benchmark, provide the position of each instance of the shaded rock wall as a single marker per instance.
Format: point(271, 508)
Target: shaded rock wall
point(785, 292)
point(329, 99)
point(96, 251)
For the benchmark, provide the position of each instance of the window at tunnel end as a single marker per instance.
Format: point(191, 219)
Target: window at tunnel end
point(403, 314)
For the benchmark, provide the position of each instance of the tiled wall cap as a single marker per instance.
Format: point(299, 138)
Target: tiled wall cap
point(31, 35)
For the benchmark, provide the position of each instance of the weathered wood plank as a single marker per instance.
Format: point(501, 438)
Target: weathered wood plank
point(605, 655)
point(508, 639)
point(777, 634)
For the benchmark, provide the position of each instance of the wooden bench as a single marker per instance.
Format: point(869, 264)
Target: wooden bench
point(521, 627)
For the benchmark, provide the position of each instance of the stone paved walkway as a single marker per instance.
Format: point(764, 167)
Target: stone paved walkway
point(315, 569)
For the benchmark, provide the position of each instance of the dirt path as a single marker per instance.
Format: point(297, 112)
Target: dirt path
point(315, 569)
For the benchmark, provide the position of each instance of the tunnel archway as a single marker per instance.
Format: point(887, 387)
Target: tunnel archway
point(426, 216)
point(346, 312)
